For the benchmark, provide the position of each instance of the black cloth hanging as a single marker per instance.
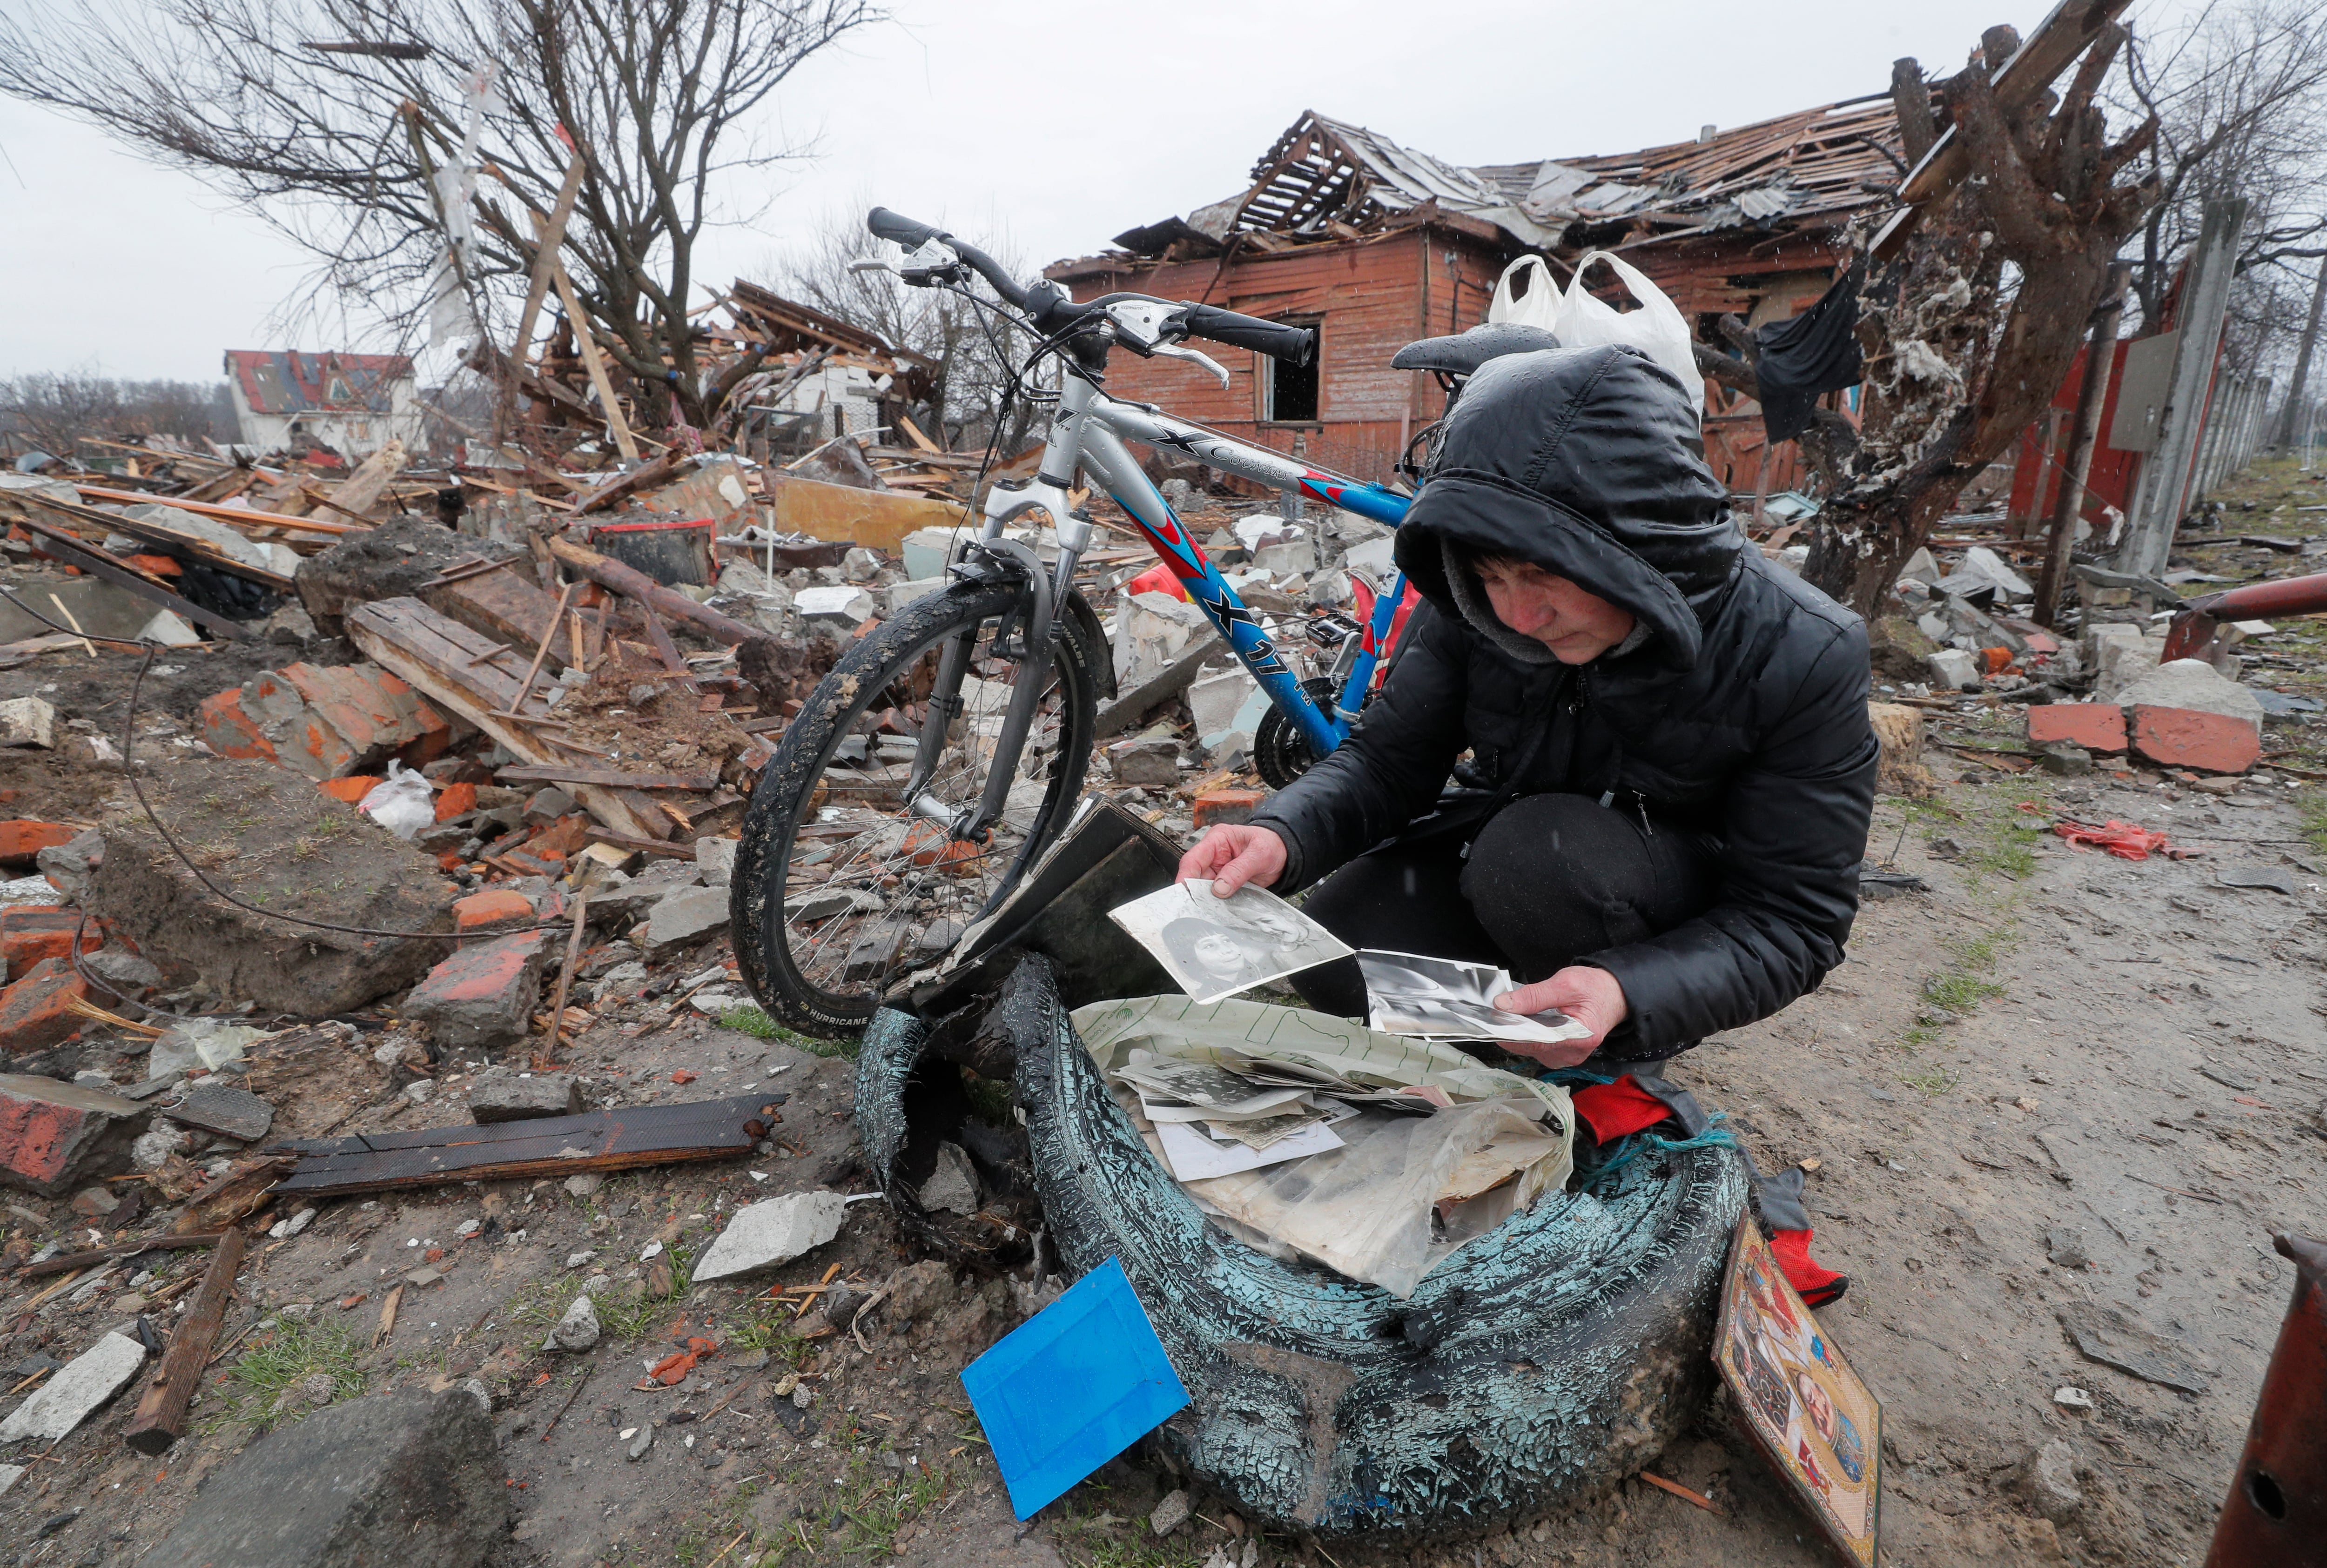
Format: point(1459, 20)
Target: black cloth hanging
point(1815, 351)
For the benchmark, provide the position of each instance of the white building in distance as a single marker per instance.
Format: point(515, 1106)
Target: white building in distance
point(351, 402)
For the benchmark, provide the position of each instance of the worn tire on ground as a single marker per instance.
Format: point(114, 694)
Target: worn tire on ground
point(1521, 1378)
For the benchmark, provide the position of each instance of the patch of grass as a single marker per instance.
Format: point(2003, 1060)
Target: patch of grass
point(282, 1358)
point(1101, 1540)
point(542, 1305)
point(2312, 807)
point(750, 1020)
point(1931, 1080)
point(1964, 984)
point(861, 1516)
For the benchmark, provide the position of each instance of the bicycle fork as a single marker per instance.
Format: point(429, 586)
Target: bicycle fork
point(1037, 613)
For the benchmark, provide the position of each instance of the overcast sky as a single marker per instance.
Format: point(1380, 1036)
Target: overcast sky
point(1047, 127)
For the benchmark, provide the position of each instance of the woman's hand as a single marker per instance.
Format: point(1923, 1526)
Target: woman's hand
point(1593, 997)
point(1230, 857)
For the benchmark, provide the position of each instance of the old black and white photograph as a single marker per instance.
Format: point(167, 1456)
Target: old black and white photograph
point(1215, 946)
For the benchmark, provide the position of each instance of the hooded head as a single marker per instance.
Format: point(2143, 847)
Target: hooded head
point(1584, 461)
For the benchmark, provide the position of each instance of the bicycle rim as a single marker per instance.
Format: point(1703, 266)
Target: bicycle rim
point(869, 892)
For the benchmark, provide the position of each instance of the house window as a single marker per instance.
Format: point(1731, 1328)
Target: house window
point(1288, 392)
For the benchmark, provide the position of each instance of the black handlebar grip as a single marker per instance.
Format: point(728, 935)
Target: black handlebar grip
point(888, 224)
point(1280, 340)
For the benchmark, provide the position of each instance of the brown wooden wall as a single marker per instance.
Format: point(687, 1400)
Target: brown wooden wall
point(1372, 296)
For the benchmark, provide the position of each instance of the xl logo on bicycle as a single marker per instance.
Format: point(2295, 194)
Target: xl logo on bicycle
point(1260, 655)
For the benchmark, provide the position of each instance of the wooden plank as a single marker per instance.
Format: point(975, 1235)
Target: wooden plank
point(503, 602)
point(66, 1261)
point(642, 589)
point(585, 340)
point(99, 562)
point(436, 654)
point(646, 476)
point(549, 239)
point(239, 517)
point(161, 1416)
point(360, 490)
point(602, 1141)
point(202, 550)
point(611, 778)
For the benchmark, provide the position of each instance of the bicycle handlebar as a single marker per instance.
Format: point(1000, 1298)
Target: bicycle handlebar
point(1279, 340)
point(1052, 312)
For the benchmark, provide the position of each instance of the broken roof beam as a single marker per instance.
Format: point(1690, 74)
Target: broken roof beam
point(2066, 32)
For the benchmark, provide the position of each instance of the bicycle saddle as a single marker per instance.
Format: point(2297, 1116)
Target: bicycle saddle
point(1463, 353)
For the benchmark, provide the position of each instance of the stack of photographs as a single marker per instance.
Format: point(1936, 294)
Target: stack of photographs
point(1215, 1122)
point(1447, 999)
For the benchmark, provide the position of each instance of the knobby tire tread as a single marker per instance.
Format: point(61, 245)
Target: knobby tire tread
point(779, 802)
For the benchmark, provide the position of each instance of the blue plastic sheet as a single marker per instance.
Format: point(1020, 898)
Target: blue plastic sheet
point(1076, 1385)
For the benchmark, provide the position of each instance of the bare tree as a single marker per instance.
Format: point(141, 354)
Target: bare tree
point(976, 351)
point(55, 410)
point(1969, 326)
point(2240, 95)
point(356, 127)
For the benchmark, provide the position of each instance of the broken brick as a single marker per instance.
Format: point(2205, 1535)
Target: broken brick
point(55, 1135)
point(227, 731)
point(492, 907)
point(2097, 727)
point(327, 722)
point(1226, 806)
point(2187, 738)
point(456, 800)
point(36, 1012)
point(484, 993)
point(32, 934)
point(351, 789)
point(21, 840)
point(156, 565)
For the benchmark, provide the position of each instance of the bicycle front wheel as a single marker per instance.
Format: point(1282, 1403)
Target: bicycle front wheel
point(841, 889)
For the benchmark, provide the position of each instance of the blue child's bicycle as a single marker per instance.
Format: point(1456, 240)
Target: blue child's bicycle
point(944, 751)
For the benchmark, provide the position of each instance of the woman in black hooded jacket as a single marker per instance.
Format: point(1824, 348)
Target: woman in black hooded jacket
point(1671, 769)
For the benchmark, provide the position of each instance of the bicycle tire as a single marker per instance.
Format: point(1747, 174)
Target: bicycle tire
point(786, 798)
point(1280, 752)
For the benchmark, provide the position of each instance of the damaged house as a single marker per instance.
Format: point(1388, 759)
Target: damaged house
point(1376, 245)
point(354, 403)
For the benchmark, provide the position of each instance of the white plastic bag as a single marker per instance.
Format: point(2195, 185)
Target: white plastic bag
point(1538, 307)
point(1657, 328)
point(401, 802)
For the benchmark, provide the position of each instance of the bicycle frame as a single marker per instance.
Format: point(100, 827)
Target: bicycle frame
point(1088, 436)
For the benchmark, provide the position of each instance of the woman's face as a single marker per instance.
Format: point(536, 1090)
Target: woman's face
point(1219, 952)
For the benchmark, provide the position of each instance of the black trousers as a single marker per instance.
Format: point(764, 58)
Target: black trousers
point(1546, 880)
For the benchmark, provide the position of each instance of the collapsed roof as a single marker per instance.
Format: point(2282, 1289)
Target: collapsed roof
point(277, 381)
point(1326, 179)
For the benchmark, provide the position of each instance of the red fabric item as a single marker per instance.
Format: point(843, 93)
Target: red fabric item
point(2121, 839)
point(1815, 1283)
point(1613, 1110)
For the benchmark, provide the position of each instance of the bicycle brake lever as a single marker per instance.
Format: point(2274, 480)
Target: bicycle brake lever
point(1174, 352)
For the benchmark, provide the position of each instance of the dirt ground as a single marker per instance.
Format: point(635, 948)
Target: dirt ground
point(2054, 1078)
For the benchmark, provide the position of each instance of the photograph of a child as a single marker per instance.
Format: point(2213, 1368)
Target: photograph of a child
point(1215, 948)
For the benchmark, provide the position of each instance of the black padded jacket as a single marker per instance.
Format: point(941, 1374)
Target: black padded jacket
point(1737, 713)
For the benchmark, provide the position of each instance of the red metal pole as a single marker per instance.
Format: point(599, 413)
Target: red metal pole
point(2277, 1514)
